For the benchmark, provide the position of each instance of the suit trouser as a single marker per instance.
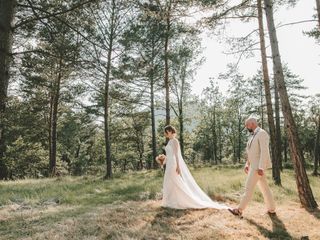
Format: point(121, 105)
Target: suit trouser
point(252, 180)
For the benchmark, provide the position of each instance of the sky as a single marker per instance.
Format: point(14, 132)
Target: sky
point(299, 51)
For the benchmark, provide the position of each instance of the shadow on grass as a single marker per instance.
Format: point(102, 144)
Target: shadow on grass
point(165, 219)
point(279, 230)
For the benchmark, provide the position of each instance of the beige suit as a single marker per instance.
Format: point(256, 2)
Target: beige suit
point(258, 157)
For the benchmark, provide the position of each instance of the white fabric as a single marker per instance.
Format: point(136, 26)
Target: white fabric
point(181, 191)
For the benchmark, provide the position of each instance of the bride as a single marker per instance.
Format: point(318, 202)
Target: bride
point(180, 191)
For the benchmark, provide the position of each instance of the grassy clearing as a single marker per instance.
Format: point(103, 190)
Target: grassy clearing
point(128, 207)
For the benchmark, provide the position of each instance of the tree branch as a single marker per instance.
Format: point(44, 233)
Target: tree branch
point(48, 15)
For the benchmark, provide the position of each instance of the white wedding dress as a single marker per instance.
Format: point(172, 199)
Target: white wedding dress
point(181, 191)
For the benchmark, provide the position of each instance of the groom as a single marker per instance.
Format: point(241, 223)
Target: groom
point(258, 161)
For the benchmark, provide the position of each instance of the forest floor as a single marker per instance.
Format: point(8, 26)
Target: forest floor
point(128, 207)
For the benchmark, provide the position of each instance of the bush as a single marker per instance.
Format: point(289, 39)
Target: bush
point(26, 159)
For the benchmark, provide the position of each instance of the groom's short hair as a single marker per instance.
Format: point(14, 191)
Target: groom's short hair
point(251, 119)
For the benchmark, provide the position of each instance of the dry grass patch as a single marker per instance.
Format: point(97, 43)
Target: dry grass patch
point(147, 220)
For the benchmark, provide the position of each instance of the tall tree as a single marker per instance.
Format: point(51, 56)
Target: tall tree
point(7, 11)
point(184, 64)
point(27, 14)
point(305, 193)
point(142, 63)
point(169, 14)
point(266, 80)
point(55, 63)
point(214, 101)
point(167, 35)
point(154, 42)
point(110, 20)
point(278, 141)
point(110, 47)
point(239, 95)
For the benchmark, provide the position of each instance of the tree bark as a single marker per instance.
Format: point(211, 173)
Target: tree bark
point(305, 193)
point(317, 150)
point(107, 95)
point(278, 124)
point(214, 137)
point(285, 149)
point(153, 164)
point(239, 138)
point(140, 145)
point(54, 102)
point(318, 11)
point(220, 139)
point(180, 106)
point(181, 135)
point(7, 11)
point(153, 123)
point(166, 62)
point(261, 102)
point(266, 81)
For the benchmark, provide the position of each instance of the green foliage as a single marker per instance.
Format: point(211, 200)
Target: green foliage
point(26, 159)
point(80, 143)
point(75, 44)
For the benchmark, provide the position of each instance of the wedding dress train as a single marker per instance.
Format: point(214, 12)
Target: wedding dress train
point(182, 191)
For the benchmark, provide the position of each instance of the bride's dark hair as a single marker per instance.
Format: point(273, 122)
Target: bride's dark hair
point(170, 128)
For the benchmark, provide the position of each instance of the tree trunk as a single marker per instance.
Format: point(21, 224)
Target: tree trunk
point(7, 11)
point(53, 121)
point(233, 140)
point(180, 106)
point(261, 100)
point(239, 138)
point(285, 150)
point(181, 125)
point(78, 151)
point(318, 11)
point(220, 140)
point(214, 136)
point(278, 124)
point(107, 96)
point(317, 150)
point(153, 123)
point(153, 118)
point(305, 193)
point(266, 80)
point(166, 63)
point(141, 151)
point(124, 166)
point(106, 123)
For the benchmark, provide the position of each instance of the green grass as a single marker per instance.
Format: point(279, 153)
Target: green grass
point(229, 183)
point(75, 195)
point(39, 204)
point(92, 191)
point(88, 190)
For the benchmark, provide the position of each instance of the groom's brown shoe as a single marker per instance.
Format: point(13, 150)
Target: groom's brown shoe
point(271, 213)
point(235, 212)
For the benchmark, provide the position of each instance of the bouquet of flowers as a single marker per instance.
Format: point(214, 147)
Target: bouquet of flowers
point(161, 159)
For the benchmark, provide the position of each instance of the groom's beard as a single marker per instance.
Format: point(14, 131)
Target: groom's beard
point(250, 130)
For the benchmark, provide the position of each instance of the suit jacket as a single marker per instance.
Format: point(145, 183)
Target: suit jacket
point(258, 154)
